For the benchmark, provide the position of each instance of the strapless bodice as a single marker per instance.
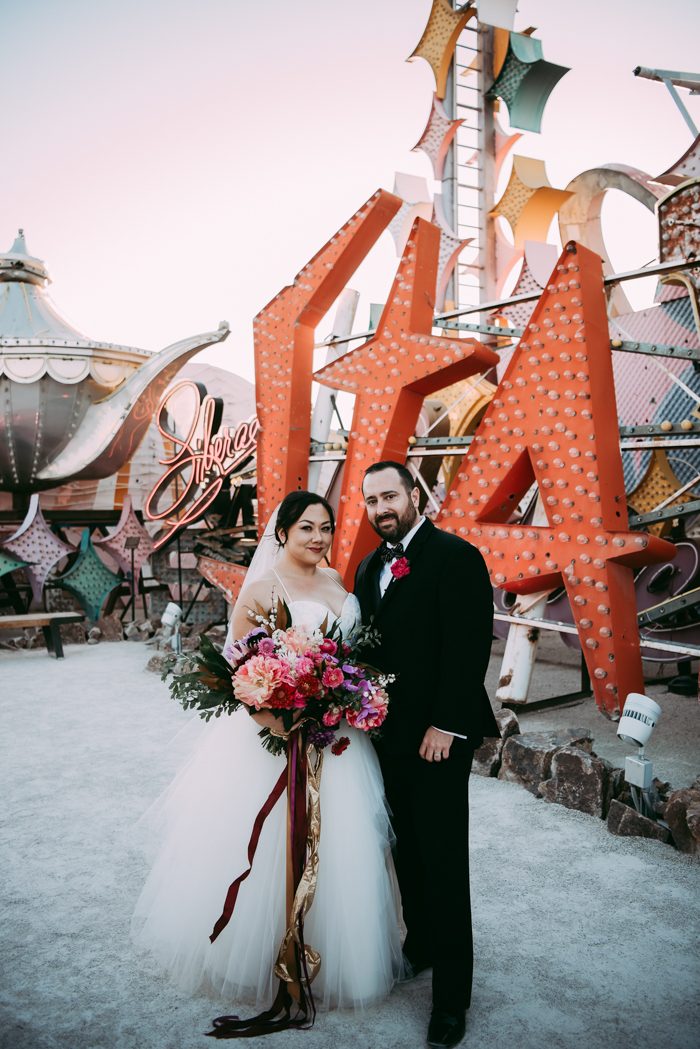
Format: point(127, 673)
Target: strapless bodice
point(311, 614)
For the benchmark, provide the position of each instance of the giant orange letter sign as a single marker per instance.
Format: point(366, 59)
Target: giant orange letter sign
point(554, 420)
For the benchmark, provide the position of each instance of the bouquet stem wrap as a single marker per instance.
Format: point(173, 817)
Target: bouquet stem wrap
point(297, 963)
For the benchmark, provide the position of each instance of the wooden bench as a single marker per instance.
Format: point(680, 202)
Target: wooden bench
point(49, 622)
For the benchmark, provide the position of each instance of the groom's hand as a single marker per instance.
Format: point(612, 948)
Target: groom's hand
point(436, 745)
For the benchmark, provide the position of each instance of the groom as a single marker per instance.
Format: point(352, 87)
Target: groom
point(431, 599)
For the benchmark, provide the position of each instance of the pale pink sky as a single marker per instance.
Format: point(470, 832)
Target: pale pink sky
point(175, 163)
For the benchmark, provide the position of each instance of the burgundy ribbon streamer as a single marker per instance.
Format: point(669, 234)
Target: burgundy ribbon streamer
point(279, 1016)
point(232, 894)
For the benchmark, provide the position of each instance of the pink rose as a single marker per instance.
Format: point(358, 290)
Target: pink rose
point(328, 647)
point(332, 717)
point(299, 641)
point(332, 677)
point(304, 666)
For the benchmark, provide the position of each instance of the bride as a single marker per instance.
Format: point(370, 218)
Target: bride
point(207, 813)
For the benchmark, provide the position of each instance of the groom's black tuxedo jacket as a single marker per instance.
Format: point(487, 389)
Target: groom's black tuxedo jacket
point(436, 628)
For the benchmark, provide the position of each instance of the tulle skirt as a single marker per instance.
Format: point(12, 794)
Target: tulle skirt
point(204, 821)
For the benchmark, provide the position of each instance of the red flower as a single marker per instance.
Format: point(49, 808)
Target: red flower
point(306, 688)
point(400, 567)
point(308, 685)
point(282, 697)
point(340, 745)
point(328, 646)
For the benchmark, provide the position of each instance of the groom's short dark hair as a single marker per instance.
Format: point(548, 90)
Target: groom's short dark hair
point(408, 480)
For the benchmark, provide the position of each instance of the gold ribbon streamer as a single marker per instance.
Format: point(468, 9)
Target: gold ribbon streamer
point(286, 967)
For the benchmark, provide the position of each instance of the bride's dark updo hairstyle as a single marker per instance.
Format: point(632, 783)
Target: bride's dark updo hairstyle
point(292, 508)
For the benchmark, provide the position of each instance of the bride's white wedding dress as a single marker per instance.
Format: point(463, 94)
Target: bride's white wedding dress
point(206, 817)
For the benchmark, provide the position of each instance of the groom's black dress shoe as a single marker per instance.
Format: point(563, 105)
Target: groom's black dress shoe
point(446, 1029)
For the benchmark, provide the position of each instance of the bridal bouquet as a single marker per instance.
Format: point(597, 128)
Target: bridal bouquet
point(298, 674)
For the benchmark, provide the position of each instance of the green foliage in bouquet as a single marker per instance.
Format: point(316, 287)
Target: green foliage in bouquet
point(206, 687)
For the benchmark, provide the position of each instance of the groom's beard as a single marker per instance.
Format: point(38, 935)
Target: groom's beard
point(392, 527)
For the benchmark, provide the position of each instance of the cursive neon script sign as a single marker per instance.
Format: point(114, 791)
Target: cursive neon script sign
point(202, 460)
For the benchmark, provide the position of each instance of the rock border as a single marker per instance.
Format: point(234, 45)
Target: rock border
point(562, 768)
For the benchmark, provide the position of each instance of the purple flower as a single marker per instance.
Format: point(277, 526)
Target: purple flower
point(266, 646)
point(256, 634)
point(320, 737)
point(241, 649)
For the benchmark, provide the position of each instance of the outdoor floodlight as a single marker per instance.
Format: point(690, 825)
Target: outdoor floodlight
point(172, 614)
point(639, 717)
point(171, 618)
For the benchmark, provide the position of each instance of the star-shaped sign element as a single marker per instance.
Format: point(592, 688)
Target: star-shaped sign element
point(390, 375)
point(89, 579)
point(439, 40)
point(115, 542)
point(37, 545)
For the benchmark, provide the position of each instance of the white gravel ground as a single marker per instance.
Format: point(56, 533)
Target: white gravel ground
point(581, 938)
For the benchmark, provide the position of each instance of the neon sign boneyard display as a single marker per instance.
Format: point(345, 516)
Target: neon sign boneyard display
point(553, 420)
point(201, 462)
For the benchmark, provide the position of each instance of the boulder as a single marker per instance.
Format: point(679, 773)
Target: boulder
point(579, 780)
point(94, 634)
point(157, 663)
point(629, 823)
point(73, 634)
point(34, 639)
point(527, 759)
point(191, 643)
point(661, 791)
point(111, 628)
point(508, 723)
point(132, 632)
point(682, 813)
point(619, 787)
point(487, 758)
point(146, 627)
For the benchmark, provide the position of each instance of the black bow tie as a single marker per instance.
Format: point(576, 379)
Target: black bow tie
point(390, 553)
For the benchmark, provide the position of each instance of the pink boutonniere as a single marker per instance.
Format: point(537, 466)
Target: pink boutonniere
point(400, 567)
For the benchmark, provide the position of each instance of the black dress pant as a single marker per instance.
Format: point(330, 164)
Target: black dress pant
point(429, 803)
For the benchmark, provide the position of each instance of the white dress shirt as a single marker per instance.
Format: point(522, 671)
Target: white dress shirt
point(385, 577)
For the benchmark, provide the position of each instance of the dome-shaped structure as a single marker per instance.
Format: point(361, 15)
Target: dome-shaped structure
point(72, 407)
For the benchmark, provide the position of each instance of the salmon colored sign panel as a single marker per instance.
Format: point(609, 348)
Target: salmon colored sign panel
point(553, 420)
